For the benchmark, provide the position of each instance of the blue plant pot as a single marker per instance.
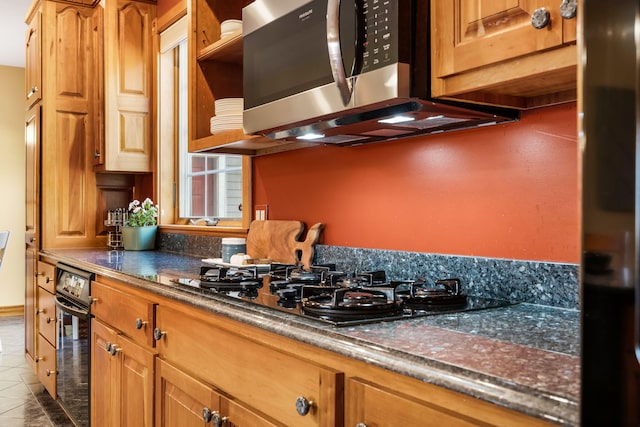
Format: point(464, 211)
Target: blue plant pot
point(139, 238)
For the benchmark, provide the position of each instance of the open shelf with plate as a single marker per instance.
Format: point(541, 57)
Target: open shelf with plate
point(216, 73)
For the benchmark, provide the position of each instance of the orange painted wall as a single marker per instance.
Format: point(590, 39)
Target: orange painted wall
point(507, 191)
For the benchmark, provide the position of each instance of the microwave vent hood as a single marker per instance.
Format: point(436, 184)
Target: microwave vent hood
point(328, 72)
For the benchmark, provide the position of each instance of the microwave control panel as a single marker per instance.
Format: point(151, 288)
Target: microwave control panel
point(380, 34)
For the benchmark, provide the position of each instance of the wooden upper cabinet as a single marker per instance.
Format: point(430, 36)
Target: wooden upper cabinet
point(33, 75)
point(488, 51)
point(68, 189)
point(128, 87)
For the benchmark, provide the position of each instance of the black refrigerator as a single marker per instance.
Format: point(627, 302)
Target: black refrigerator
point(609, 138)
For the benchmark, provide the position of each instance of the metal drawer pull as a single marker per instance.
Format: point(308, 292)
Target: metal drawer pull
point(303, 406)
point(158, 334)
point(140, 323)
point(568, 9)
point(540, 18)
point(206, 414)
point(218, 420)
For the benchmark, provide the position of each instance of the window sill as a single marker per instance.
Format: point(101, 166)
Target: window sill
point(204, 230)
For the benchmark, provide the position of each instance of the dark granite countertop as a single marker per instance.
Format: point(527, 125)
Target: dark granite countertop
point(524, 357)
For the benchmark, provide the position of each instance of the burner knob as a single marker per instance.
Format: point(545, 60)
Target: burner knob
point(303, 406)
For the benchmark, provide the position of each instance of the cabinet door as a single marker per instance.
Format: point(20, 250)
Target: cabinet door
point(182, 400)
point(32, 192)
point(32, 72)
point(373, 406)
point(68, 181)
point(132, 315)
point(129, 71)
point(47, 315)
point(233, 364)
point(135, 383)
point(104, 374)
point(489, 52)
point(46, 365)
point(484, 32)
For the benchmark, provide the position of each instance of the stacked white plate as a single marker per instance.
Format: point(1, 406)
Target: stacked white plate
point(228, 115)
point(230, 26)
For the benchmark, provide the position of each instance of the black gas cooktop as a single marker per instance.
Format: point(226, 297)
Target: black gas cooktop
point(337, 298)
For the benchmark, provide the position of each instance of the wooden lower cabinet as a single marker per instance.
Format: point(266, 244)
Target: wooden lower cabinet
point(207, 369)
point(182, 400)
point(271, 380)
point(46, 365)
point(122, 379)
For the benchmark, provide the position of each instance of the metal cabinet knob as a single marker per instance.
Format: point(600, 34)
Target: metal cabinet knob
point(114, 350)
point(38, 359)
point(568, 8)
point(49, 319)
point(93, 300)
point(158, 334)
point(303, 406)
point(219, 420)
point(540, 18)
point(50, 372)
point(107, 346)
point(361, 425)
point(140, 323)
point(206, 415)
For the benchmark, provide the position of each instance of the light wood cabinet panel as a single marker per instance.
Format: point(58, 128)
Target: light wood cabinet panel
point(46, 365)
point(371, 405)
point(489, 52)
point(128, 87)
point(122, 379)
point(273, 392)
point(68, 181)
point(103, 373)
point(46, 276)
point(32, 221)
point(182, 399)
point(47, 315)
point(32, 72)
point(132, 315)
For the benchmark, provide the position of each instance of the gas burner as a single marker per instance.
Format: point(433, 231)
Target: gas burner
point(371, 278)
point(418, 295)
point(350, 303)
point(222, 279)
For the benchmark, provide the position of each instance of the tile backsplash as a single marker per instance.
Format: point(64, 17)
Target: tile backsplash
point(535, 282)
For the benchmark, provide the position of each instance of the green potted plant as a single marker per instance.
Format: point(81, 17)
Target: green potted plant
point(140, 227)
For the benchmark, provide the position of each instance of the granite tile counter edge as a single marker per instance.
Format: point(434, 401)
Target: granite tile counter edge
point(495, 390)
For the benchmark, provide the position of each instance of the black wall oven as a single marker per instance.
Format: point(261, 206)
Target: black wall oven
point(73, 301)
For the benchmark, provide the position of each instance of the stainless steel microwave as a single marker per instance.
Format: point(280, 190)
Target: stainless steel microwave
point(345, 72)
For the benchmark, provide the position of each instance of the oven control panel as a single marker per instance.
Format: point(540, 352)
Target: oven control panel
point(74, 284)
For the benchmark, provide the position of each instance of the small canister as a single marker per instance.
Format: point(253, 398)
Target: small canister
point(232, 246)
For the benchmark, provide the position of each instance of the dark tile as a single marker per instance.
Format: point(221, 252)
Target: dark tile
point(23, 400)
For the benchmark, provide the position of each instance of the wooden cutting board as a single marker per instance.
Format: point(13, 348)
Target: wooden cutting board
point(279, 241)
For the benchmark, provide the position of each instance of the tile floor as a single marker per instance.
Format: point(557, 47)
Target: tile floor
point(23, 400)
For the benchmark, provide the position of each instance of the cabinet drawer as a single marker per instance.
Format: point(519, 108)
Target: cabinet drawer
point(47, 365)
point(267, 379)
point(47, 315)
point(132, 315)
point(47, 276)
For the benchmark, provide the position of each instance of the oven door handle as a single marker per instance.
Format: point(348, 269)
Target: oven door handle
point(74, 310)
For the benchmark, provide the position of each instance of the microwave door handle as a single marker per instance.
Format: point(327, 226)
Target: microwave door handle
point(335, 52)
